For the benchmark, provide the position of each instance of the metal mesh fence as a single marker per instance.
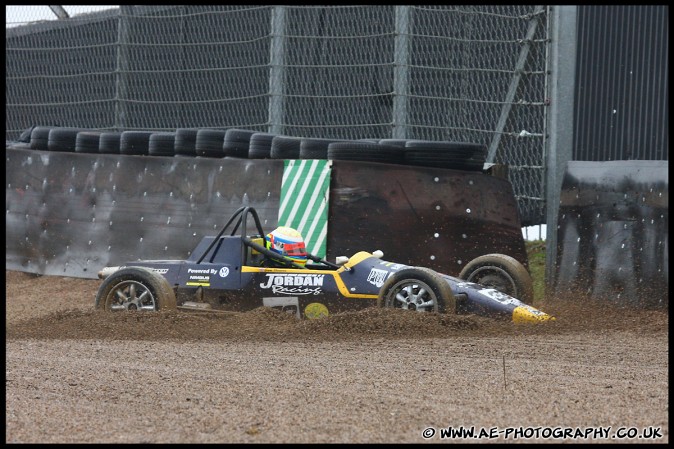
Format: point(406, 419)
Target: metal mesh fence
point(440, 72)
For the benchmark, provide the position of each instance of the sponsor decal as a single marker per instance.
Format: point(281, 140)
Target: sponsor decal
point(160, 270)
point(500, 296)
point(200, 277)
point(295, 284)
point(315, 310)
point(224, 272)
point(377, 277)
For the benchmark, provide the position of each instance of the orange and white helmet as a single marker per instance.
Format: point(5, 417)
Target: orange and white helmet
point(288, 243)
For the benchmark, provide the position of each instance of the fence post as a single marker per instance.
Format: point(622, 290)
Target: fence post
point(277, 70)
point(122, 67)
point(401, 72)
point(559, 151)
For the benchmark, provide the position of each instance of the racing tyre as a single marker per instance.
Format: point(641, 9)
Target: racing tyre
point(452, 155)
point(315, 148)
point(209, 143)
point(39, 137)
point(236, 142)
point(108, 142)
point(285, 147)
point(134, 142)
point(420, 289)
point(87, 142)
point(162, 144)
point(366, 151)
point(186, 142)
point(135, 288)
point(504, 273)
point(63, 139)
point(259, 146)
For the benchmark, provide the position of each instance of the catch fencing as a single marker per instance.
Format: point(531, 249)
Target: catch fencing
point(472, 73)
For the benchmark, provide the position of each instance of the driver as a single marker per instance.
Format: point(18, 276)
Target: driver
point(288, 243)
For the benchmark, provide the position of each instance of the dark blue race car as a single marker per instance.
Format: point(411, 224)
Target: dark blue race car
point(230, 272)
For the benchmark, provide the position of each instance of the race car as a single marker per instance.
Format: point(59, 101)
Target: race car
point(230, 272)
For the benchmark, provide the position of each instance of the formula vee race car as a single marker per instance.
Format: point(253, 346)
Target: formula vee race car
point(229, 272)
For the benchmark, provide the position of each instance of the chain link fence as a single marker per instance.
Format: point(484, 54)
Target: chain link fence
point(440, 72)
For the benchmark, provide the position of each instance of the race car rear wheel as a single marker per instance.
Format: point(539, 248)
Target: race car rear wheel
point(503, 273)
point(135, 289)
point(419, 289)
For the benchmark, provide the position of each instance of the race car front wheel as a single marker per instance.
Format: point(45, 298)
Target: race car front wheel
point(419, 289)
point(503, 273)
point(135, 289)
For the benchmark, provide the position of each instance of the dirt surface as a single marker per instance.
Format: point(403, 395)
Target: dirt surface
point(77, 375)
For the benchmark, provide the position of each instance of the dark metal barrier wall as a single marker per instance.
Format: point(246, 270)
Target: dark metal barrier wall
point(71, 214)
point(613, 231)
point(429, 217)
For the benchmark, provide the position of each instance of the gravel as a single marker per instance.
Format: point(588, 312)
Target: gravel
point(77, 375)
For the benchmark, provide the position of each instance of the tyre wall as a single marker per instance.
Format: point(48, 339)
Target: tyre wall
point(613, 232)
point(71, 214)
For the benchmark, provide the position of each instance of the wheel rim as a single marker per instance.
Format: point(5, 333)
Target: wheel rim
point(412, 294)
point(494, 277)
point(131, 295)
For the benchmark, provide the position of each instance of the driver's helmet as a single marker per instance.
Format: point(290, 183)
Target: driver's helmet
point(288, 243)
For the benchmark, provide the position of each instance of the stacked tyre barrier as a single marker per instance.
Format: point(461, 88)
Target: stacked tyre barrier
point(252, 144)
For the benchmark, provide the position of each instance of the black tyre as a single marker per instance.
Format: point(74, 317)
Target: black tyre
point(87, 142)
point(39, 137)
point(260, 146)
point(108, 143)
point(366, 151)
point(420, 289)
point(209, 143)
point(503, 273)
point(63, 139)
point(25, 135)
point(186, 142)
point(454, 155)
point(236, 142)
point(135, 142)
point(285, 147)
point(315, 148)
point(136, 289)
point(162, 144)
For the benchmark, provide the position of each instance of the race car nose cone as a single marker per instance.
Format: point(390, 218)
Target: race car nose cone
point(527, 314)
